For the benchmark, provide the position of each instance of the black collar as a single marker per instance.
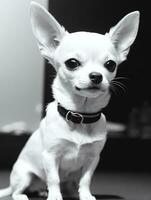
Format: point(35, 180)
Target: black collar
point(78, 118)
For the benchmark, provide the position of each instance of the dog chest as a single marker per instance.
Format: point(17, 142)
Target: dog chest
point(75, 155)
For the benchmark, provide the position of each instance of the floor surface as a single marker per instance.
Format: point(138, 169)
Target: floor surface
point(110, 186)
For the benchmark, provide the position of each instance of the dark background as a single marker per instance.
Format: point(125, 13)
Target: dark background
point(99, 16)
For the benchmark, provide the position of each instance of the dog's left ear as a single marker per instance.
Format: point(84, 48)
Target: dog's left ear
point(124, 33)
point(46, 29)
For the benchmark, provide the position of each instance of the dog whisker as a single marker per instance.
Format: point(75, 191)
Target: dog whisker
point(115, 85)
point(120, 86)
point(113, 89)
point(121, 78)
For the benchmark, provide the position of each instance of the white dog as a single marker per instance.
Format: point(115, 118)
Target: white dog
point(68, 143)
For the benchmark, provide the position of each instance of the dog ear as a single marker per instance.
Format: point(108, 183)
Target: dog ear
point(124, 33)
point(46, 29)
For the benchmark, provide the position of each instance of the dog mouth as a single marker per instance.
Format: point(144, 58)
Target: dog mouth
point(90, 88)
point(90, 91)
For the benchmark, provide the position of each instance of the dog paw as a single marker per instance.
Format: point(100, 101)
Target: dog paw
point(20, 197)
point(87, 196)
point(55, 196)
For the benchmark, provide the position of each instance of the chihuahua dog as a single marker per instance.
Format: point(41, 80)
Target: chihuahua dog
point(66, 148)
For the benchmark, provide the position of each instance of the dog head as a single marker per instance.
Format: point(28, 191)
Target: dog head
point(85, 62)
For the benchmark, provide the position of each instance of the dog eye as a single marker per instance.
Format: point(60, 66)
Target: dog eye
point(110, 65)
point(72, 63)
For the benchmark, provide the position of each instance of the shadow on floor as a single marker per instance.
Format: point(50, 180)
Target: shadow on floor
point(41, 195)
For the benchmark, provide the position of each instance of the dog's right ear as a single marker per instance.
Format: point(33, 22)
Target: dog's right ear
point(46, 29)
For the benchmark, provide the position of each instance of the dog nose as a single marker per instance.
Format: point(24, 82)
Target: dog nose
point(96, 77)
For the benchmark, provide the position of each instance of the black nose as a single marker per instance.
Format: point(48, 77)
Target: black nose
point(96, 77)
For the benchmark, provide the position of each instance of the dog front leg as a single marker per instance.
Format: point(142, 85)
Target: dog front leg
point(85, 181)
point(51, 166)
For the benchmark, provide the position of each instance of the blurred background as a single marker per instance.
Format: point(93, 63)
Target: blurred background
point(21, 66)
point(25, 80)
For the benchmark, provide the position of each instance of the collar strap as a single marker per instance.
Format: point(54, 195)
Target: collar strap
point(78, 118)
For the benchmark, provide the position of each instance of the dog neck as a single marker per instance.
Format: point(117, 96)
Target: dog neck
point(64, 95)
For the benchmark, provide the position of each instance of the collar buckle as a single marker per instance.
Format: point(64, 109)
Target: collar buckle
point(70, 115)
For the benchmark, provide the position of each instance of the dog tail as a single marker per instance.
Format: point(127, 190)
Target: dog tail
point(5, 192)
